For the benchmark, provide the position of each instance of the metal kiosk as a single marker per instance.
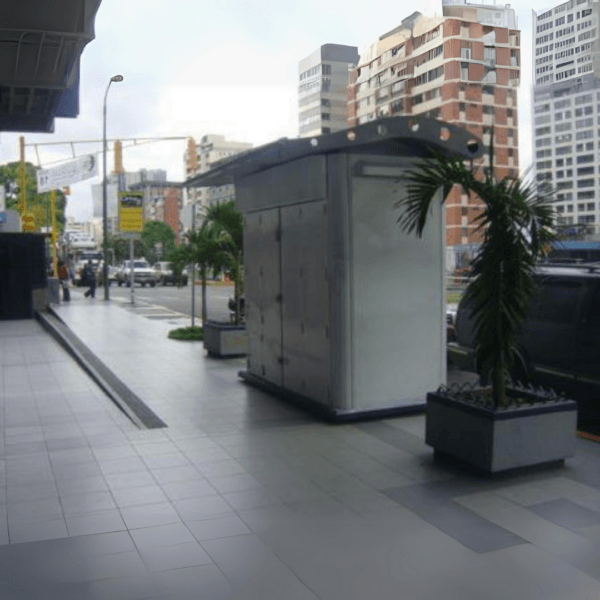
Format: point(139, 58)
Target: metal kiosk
point(345, 313)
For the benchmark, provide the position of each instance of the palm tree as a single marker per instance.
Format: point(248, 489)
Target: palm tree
point(230, 224)
point(515, 221)
point(205, 249)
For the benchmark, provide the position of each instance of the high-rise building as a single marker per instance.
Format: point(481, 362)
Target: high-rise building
point(201, 157)
point(462, 67)
point(566, 107)
point(323, 89)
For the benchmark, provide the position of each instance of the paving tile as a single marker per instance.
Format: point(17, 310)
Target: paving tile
point(184, 583)
point(67, 443)
point(235, 483)
point(76, 471)
point(159, 448)
point(522, 522)
point(71, 456)
point(102, 543)
point(552, 579)
point(120, 481)
point(162, 535)
point(105, 522)
point(166, 461)
point(36, 511)
point(243, 558)
point(34, 532)
point(36, 491)
point(164, 558)
point(176, 473)
point(138, 496)
point(122, 465)
point(566, 513)
point(140, 587)
point(83, 485)
point(110, 566)
point(210, 529)
point(115, 453)
point(150, 515)
point(181, 490)
point(83, 504)
point(251, 499)
point(206, 507)
point(221, 468)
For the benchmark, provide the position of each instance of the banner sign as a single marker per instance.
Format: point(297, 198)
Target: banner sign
point(67, 173)
point(131, 216)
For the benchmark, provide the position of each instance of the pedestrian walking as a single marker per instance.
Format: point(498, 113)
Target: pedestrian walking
point(89, 278)
point(63, 276)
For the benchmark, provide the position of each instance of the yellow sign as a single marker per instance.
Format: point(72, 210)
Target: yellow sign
point(131, 211)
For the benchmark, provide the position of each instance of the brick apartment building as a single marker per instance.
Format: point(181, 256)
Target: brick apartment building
point(462, 67)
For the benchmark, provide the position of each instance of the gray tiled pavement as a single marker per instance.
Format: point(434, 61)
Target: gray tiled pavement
point(242, 496)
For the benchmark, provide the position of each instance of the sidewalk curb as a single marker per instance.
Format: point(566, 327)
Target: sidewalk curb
point(133, 406)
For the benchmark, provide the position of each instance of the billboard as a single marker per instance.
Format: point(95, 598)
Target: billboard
point(67, 173)
point(131, 211)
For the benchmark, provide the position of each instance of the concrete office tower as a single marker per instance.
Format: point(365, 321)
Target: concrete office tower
point(201, 157)
point(461, 67)
point(566, 107)
point(323, 89)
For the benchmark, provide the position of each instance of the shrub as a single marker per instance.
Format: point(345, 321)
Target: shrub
point(187, 333)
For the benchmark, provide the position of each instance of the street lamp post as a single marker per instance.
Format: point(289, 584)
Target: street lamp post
point(116, 79)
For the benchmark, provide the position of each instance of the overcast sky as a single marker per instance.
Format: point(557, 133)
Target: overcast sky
point(219, 66)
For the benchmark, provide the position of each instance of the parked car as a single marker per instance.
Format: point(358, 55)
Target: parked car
point(143, 273)
point(560, 339)
point(164, 274)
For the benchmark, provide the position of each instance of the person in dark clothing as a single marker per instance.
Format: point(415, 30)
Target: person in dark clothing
point(63, 276)
point(89, 276)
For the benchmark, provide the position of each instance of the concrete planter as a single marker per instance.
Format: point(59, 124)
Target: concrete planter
point(223, 340)
point(498, 440)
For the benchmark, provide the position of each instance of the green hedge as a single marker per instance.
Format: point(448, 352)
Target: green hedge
point(187, 333)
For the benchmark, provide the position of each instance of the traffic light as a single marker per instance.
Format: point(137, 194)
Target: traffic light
point(28, 222)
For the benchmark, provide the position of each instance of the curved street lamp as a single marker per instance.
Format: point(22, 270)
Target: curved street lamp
point(116, 79)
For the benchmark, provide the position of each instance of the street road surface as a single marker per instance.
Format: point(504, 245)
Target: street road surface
point(177, 301)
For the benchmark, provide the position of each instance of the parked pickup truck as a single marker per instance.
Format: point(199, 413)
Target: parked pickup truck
point(142, 273)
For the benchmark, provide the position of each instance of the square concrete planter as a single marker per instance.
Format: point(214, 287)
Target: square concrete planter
point(223, 340)
point(498, 440)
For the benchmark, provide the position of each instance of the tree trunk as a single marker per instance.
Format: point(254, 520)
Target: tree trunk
point(203, 277)
point(498, 384)
point(237, 291)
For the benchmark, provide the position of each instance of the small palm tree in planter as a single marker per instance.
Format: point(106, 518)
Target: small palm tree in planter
point(226, 227)
point(490, 428)
point(204, 249)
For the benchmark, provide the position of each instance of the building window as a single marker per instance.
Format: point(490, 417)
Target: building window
point(583, 183)
point(325, 116)
point(591, 205)
point(325, 129)
point(585, 171)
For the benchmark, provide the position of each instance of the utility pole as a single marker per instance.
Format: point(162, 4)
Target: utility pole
point(194, 269)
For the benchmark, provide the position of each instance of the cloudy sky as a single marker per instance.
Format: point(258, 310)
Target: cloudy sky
point(219, 66)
